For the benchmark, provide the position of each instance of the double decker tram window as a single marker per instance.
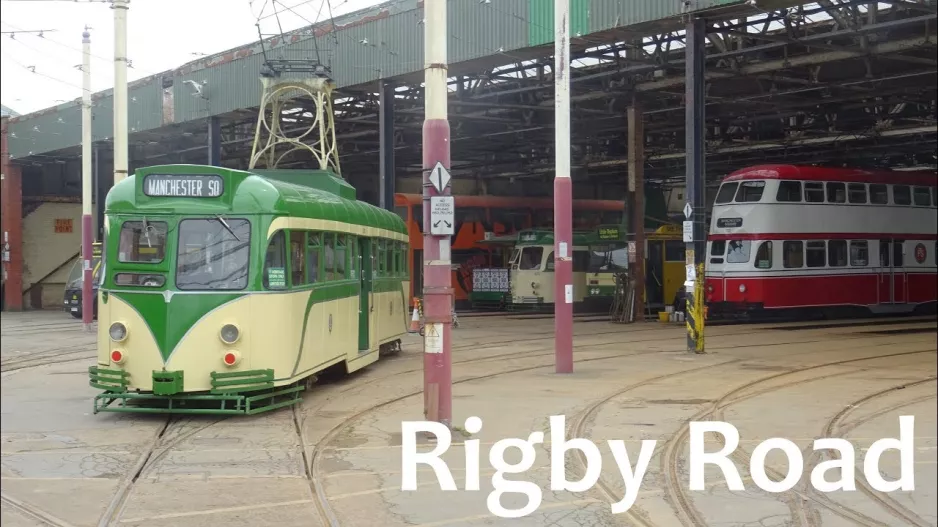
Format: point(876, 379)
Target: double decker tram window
point(214, 254)
point(836, 193)
point(750, 191)
point(726, 193)
point(738, 251)
point(142, 242)
point(813, 192)
point(788, 191)
point(878, 195)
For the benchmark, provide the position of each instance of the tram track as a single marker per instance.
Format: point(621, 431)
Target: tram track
point(156, 450)
point(682, 503)
point(579, 425)
point(836, 428)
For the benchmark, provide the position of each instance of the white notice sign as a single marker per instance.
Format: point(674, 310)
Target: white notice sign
point(433, 338)
point(690, 273)
point(568, 294)
point(563, 249)
point(442, 215)
point(688, 231)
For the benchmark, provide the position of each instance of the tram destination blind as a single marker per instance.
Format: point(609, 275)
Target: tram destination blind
point(183, 185)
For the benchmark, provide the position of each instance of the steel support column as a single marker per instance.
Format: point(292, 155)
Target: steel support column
point(214, 141)
point(386, 140)
point(636, 207)
point(437, 272)
point(11, 210)
point(87, 187)
point(563, 195)
point(695, 127)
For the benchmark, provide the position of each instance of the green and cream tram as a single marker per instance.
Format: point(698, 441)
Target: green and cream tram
point(226, 291)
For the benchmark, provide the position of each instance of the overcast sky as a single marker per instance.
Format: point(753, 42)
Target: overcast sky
point(161, 35)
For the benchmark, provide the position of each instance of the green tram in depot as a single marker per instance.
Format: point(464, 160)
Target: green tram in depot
point(224, 291)
point(525, 280)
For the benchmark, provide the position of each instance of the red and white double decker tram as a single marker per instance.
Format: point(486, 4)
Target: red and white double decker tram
point(804, 238)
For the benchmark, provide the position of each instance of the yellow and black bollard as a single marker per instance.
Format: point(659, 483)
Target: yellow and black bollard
point(695, 312)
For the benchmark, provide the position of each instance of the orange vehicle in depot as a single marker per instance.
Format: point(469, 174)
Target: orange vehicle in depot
point(478, 217)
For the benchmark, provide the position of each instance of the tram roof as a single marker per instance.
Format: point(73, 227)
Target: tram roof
point(849, 175)
point(316, 194)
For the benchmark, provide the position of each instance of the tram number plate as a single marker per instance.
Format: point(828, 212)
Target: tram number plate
point(184, 185)
point(729, 222)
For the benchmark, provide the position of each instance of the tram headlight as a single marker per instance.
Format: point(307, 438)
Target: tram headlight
point(229, 333)
point(117, 332)
point(742, 288)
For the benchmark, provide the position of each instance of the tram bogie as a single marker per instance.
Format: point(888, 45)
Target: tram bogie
point(225, 291)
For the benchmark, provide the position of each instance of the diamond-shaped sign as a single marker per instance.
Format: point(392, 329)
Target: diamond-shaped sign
point(688, 210)
point(439, 177)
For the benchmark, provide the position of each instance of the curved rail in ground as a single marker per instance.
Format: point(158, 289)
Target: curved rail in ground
point(682, 503)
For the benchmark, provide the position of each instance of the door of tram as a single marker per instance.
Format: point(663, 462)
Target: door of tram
point(891, 279)
point(366, 297)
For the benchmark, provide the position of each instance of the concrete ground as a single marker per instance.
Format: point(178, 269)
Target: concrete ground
point(336, 460)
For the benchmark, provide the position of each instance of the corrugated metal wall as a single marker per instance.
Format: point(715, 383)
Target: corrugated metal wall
point(387, 44)
point(541, 20)
point(60, 127)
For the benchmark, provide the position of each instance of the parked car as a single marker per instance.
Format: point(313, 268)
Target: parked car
point(73, 287)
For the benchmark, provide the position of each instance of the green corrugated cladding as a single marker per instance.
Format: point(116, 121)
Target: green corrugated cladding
point(541, 20)
point(60, 127)
point(394, 47)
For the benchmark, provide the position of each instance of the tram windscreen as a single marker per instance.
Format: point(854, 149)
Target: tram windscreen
point(609, 260)
point(531, 258)
point(213, 254)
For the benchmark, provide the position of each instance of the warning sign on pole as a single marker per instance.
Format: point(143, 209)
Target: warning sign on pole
point(433, 338)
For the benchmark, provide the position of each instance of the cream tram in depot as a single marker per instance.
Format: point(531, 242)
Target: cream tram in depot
point(806, 239)
point(225, 291)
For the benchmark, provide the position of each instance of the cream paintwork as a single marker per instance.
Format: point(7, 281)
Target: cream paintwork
point(287, 222)
point(389, 314)
point(141, 354)
point(269, 325)
point(543, 280)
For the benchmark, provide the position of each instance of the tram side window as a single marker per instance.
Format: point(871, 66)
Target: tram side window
point(275, 263)
point(764, 256)
point(837, 253)
point(750, 191)
point(726, 193)
point(897, 246)
point(738, 251)
point(297, 258)
point(856, 193)
point(581, 261)
point(921, 196)
point(859, 253)
point(836, 193)
point(717, 249)
point(792, 254)
point(934, 196)
point(313, 248)
point(142, 242)
point(813, 192)
point(901, 195)
point(341, 253)
point(531, 258)
point(878, 194)
point(328, 256)
point(816, 254)
point(789, 191)
point(389, 259)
